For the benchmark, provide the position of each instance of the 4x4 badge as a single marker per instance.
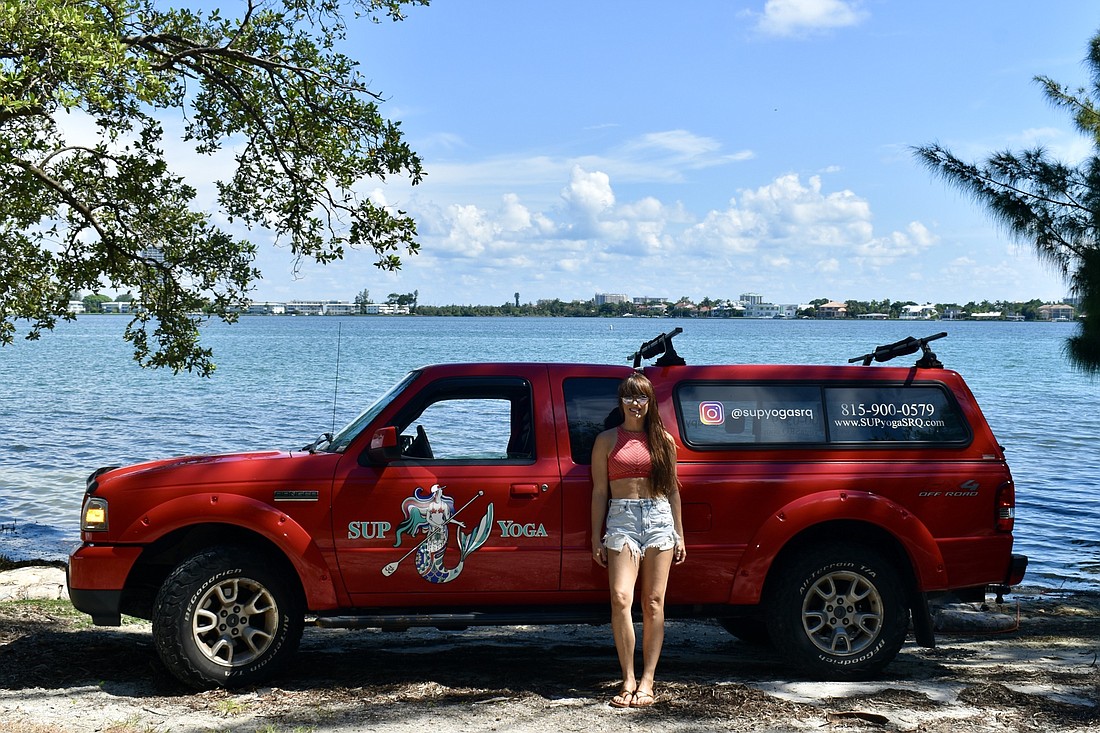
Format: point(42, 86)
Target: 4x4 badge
point(970, 485)
point(430, 512)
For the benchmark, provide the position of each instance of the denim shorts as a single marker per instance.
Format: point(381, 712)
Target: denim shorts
point(638, 525)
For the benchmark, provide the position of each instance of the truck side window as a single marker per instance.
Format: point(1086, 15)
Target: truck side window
point(725, 414)
point(469, 419)
point(894, 414)
point(591, 406)
point(721, 414)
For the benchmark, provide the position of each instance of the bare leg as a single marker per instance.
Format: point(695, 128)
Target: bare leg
point(654, 572)
point(622, 575)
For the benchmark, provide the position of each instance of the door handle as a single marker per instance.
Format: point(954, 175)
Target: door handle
point(527, 491)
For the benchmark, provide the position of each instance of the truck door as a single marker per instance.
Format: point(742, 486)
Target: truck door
point(473, 505)
point(591, 402)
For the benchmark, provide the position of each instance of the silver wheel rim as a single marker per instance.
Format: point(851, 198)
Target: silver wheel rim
point(235, 622)
point(842, 614)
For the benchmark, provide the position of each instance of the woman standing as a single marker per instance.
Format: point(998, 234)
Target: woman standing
point(634, 487)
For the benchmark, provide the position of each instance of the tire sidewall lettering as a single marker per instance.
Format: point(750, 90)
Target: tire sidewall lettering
point(866, 656)
point(205, 586)
point(867, 572)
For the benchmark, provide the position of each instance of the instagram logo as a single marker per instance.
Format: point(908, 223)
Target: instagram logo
point(711, 413)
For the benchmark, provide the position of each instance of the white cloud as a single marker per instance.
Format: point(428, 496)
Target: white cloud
point(787, 212)
point(1068, 146)
point(514, 216)
point(680, 142)
point(655, 157)
point(802, 17)
point(789, 230)
point(681, 148)
point(588, 194)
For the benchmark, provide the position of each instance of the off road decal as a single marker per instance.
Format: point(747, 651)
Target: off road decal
point(430, 513)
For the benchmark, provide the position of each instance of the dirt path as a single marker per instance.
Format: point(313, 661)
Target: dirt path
point(58, 674)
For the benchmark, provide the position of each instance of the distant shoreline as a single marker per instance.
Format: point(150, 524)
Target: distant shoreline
point(616, 317)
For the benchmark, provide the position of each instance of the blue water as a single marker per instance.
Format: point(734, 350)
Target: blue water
point(74, 401)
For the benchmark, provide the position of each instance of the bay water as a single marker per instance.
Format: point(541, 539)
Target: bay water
point(74, 401)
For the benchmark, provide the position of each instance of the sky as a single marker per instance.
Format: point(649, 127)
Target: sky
point(706, 149)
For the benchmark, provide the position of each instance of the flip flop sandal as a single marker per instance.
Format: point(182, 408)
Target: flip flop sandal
point(624, 699)
point(642, 699)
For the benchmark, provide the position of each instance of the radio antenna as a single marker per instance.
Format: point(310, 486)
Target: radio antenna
point(336, 387)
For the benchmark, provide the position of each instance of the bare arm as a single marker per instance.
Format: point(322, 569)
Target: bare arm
point(601, 491)
point(680, 551)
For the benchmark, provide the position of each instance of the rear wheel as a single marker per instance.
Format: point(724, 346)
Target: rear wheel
point(838, 613)
point(226, 618)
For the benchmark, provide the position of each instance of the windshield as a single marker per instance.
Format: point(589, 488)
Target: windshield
point(342, 439)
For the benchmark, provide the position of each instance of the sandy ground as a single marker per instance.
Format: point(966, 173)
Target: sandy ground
point(1030, 664)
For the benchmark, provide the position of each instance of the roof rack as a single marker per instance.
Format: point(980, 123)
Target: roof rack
point(906, 346)
point(660, 346)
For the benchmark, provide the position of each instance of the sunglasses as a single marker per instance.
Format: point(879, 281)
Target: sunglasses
point(636, 399)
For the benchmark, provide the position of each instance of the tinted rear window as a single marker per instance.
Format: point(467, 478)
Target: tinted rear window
point(591, 406)
point(730, 414)
point(735, 414)
point(917, 414)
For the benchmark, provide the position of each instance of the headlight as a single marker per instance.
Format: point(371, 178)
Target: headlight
point(94, 516)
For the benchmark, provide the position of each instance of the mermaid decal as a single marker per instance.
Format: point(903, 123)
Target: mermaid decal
point(429, 513)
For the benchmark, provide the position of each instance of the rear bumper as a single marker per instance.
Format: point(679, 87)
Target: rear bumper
point(96, 577)
point(1016, 568)
point(1014, 574)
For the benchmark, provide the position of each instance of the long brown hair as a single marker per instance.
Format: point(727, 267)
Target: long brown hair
point(662, 449)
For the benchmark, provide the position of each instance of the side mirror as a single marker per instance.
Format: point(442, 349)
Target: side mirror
point(384, 446)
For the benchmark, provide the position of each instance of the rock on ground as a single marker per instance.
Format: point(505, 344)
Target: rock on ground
point(37, 582)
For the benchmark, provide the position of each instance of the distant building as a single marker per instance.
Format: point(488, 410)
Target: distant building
point(770, 310)
point(605, 298)
point(266, 308)
point(751, 299)
point(339, 309)
point(832, 309)
point(76, 306)
point(1056, 312)
point(304, 308)
point(919, 312)
point(386, 309)
point(117, 306)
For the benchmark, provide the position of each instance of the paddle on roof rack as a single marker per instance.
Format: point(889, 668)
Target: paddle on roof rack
point(908, 345)
point(660, 346)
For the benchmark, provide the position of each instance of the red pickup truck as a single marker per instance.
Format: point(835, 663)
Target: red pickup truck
point(823, 507)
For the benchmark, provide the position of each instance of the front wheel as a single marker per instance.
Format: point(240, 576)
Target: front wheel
point(838, 612)
point(226, 618)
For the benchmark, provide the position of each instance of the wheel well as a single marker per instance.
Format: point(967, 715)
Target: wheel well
point(855, 533)
point(163, 556)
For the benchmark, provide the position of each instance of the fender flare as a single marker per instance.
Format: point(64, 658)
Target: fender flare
point(297, 545)
point(829, 506)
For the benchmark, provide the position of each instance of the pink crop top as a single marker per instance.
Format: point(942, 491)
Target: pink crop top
point(630, 457)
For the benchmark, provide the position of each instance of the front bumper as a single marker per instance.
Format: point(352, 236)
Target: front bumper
point(96, 577)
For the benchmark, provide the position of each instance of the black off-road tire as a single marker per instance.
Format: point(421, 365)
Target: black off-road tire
point(837, 611)
point(226, 617)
